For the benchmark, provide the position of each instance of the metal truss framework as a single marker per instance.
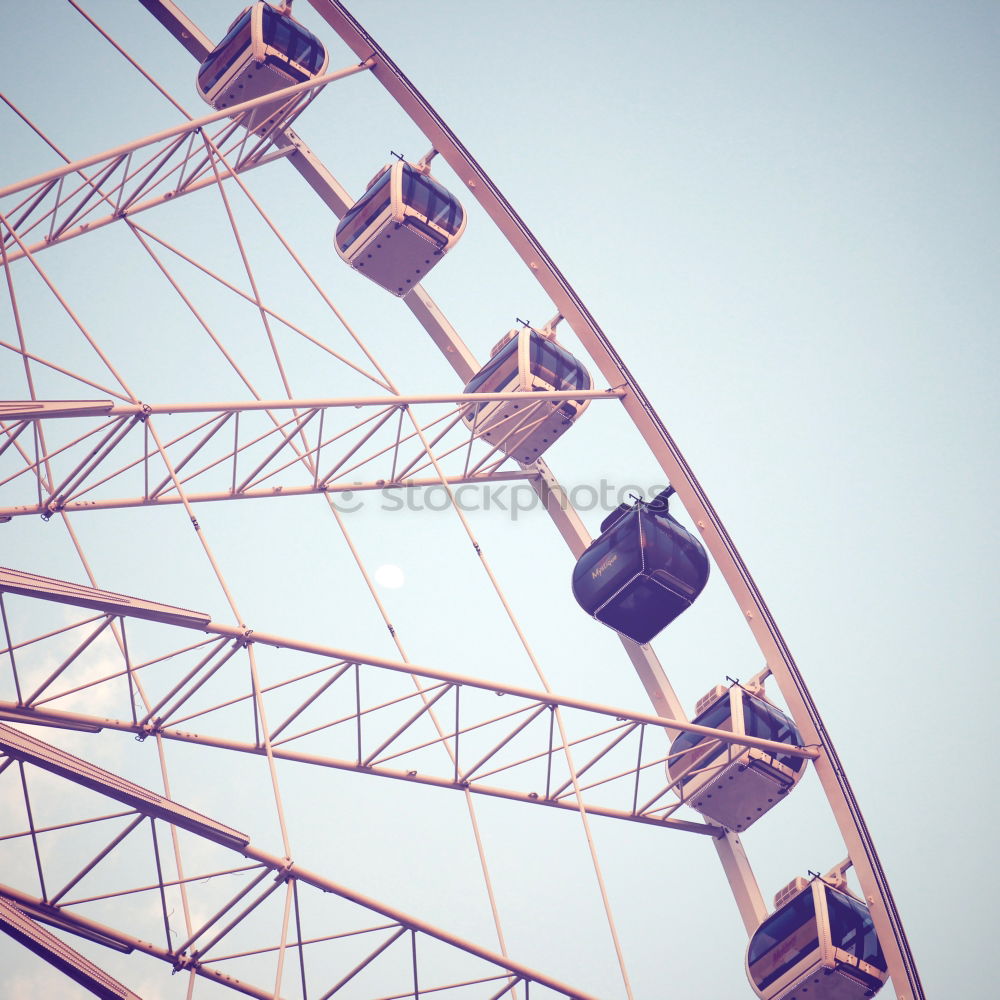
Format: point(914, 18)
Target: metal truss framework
point(446, 338)
point(418, 957)
point(381, 743)
point(115, 189)
point(352, 702)
point(254, 462)
point(89, 466)
point(123, 182)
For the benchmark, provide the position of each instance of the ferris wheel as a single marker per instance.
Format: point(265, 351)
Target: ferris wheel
point(310, 660)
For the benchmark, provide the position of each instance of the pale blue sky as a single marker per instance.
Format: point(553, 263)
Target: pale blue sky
point(785, 217)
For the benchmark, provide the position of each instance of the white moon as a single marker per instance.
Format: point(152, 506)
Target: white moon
point(390, 576)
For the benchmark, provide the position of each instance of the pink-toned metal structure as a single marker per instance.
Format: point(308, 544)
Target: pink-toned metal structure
point(110, 450)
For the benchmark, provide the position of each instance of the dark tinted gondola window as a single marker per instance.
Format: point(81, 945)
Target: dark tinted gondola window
point(559, 368)
point(495, 374)
point(679, 561)
point(231, 48)
point(766, 722)
point(608, 564)
point(793, 925)
point(364, 212)
point(283, 34)
point(716, 716)
point(431, 200)
point(852, 929)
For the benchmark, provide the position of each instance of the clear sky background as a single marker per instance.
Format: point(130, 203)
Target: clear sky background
point(785, 218)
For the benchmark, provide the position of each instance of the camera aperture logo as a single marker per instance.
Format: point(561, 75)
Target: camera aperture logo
point(511, 499)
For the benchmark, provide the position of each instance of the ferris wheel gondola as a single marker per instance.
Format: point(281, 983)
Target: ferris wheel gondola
point(527, 360)
point(819, 944)
point(642, 572)
point(401, 227)
point(264, 51)
point(732, 785)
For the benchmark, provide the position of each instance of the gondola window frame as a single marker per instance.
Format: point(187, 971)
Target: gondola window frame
point(818, 950)
point(242, 23)
point(833, 896)
point(705, 718)
point(374, 220)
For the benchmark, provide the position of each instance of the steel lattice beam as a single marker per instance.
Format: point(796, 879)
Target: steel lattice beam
point(485, 742)
point(247, 457)
point(176, 162)
point(26, 931)
point(192, 953)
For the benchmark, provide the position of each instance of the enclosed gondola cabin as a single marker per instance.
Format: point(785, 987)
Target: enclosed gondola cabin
point(642, 572)
point(819, 944)
point(526, 360)
point(264, 51)
point(731, 784)
point(400, 228)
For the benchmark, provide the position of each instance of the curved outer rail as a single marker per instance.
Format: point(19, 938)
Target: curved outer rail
point(846, 810)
